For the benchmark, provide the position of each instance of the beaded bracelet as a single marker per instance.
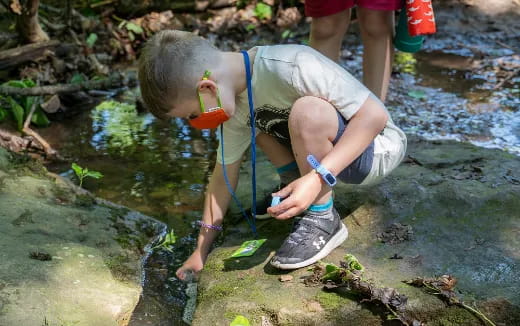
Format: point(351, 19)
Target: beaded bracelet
point(210, 226)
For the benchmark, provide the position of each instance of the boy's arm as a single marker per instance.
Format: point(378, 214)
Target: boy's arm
point(362, 128)
point(215, 206)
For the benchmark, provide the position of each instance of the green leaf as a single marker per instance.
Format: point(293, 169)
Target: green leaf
point(418, 94)
point(28, 101)
point(40, 119)
point(3, 114)
point(250, 27)
point(131, 36)
point(134, 28)
point(94, 174)
point(77, 78)
point(240, 321)
point(18, 112)
point(77, 169)
point(353, 263)
point(15, 83)
point(28, 83)
point(170, 238)
point(286, 33)
point(91, 39)
point(331, 268)
point(263, 11)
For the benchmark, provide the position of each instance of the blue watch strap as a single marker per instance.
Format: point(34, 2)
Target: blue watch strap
point(325, 174)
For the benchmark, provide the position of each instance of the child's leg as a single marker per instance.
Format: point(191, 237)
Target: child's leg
point(327, 33)
point(377, 29)
point(280, 156)
point(313, 126)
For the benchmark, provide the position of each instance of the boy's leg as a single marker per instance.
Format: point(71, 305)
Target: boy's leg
point(330, 21)
point(313, 126)
point(377, 31)
point(282, 158)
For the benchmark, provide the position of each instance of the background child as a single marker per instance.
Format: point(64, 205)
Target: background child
point(330, 21)
point(304, 104)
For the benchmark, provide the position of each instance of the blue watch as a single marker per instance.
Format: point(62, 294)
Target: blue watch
point(328, 177)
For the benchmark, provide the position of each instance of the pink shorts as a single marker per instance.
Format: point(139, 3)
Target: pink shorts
point(320, 8)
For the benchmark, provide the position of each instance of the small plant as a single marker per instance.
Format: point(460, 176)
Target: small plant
point(263, 11)
point(20, 106)
point(82, 173)
point(166, 242)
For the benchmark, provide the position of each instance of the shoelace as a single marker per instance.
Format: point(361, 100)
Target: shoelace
point(301, 229)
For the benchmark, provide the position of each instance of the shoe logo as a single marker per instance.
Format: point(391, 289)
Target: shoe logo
point(319, 243)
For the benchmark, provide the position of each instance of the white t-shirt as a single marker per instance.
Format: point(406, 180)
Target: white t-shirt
point(284, 73)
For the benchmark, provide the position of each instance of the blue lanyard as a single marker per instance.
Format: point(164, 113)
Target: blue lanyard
point(250, 219)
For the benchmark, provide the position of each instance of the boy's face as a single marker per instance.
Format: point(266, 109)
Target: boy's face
point(189, 107)
point(207, 99)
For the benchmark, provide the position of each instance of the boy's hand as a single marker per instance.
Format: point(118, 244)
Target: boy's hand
point(297, 196)
point(191, 267)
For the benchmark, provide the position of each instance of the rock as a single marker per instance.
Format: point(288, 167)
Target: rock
point(66, 260)
point(448, 215)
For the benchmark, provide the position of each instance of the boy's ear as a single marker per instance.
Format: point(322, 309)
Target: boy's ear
point(207, 85)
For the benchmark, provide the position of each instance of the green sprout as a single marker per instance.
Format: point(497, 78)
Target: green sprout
point(167, 241)
point(82, 173)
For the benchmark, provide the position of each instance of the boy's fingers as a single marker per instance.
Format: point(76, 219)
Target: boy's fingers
point(284, 192)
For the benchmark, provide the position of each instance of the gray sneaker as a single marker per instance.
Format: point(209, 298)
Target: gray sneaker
point(312, 238)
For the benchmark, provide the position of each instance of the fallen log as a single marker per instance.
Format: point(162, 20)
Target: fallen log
point(30, 52)
point(114, 81)
point(135, 8)
point(18, 144)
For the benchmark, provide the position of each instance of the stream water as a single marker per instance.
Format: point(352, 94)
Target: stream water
point(161, 169)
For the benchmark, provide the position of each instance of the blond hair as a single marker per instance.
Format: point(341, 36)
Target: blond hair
point(170, 65)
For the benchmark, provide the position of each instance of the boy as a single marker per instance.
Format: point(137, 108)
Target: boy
point(302, 100)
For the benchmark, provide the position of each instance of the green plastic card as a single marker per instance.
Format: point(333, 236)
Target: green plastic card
point(248, 248)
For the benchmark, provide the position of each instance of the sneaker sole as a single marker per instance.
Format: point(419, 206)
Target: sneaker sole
point(334, 242)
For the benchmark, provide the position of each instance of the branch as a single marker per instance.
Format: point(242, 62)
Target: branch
point(508, 77)
point(117, 80)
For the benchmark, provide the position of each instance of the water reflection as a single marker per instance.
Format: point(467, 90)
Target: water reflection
point(154, 167)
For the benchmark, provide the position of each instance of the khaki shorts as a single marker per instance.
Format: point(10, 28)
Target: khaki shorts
point(389, 151)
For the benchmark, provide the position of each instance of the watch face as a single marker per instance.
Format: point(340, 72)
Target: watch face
point(330, 178)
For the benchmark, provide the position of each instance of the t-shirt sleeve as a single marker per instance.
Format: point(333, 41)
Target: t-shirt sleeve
point(237, 138)
point(316, 75)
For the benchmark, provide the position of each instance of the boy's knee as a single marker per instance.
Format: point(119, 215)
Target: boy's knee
point(311, 115)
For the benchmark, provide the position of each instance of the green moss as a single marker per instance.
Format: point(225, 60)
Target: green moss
point(85, 201)
point(62, 195)
point(216, 263)
point(453, 316)
point(119, 266)
point(116, 213)
point(230, 315)
point(330, 300)
point(227, 287)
